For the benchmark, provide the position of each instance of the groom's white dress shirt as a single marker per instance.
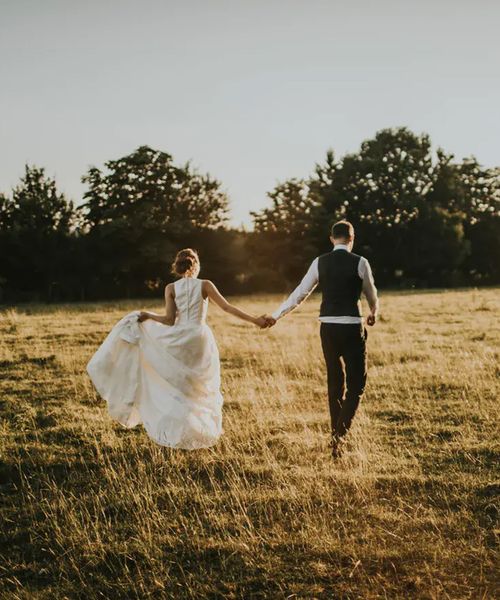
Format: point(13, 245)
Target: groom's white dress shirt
point(310, 281)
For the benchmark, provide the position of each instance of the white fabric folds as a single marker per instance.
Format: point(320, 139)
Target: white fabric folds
point(165, 377)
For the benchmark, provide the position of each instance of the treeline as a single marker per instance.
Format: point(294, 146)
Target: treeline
point(422, 219)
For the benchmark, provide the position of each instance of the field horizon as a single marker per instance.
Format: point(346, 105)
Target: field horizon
point(93, 510)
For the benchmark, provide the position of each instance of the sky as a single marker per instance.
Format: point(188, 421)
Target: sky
point(252, 91)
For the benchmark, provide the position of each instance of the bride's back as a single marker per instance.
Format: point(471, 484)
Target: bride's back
point(191, 306)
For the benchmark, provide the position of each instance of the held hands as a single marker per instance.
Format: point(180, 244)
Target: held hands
point(265, 321)
point(143, 316)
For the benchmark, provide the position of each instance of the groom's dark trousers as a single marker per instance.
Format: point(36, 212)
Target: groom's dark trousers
point(344, 348)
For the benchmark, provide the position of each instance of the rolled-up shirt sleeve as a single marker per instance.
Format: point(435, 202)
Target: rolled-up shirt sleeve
point(300, 293)
point(369, 289)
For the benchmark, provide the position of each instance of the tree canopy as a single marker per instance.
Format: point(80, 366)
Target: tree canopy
point(36, 225)
point(138, 210)
point(416, 212)
point(421, 217)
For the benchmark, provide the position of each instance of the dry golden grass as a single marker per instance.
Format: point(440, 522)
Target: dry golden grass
point(91, 510)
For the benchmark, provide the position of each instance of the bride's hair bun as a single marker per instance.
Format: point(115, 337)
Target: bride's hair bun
point(186, 261)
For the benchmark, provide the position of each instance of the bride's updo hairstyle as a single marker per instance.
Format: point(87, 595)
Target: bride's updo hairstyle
point(186, 262)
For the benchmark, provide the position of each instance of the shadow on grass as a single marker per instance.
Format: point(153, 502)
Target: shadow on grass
point(24, 359)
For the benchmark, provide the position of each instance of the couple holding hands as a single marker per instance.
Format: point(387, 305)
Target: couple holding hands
point(163, 370)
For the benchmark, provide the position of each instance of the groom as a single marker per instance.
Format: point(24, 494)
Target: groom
point(342, 276)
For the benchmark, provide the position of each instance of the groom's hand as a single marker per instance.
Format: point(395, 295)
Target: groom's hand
point(261, 322)
point(270, 321)
point(265, 321)
point(371, 319)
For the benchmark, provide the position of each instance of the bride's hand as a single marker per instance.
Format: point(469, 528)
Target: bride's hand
point(264, 321)
point(143, 316)
point(261, 322)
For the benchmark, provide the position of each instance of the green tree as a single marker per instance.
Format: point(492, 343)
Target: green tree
point(474, 192)
point(409, 206)
point(36, 225)
point(138, 210)
point(284, 237)
point(482, 225)
point(381, 189)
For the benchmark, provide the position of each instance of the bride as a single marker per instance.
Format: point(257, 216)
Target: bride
point(163, 370)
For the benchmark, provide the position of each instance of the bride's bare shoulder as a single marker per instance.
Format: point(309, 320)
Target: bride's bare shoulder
point(207, 287)
point(170, 289)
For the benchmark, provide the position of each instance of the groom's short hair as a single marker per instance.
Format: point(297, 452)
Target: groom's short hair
point(342, 229)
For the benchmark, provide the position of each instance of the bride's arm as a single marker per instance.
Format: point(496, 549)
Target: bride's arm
point(210, 291)
point(170, 309)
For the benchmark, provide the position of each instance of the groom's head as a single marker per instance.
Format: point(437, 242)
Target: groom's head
point(342, 233)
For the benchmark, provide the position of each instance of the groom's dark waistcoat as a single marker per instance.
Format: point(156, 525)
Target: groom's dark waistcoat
point(340, 284)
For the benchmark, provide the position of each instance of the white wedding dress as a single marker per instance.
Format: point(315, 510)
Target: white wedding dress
point(165, 377)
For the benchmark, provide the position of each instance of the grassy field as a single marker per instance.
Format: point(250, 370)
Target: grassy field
point(92, 510)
